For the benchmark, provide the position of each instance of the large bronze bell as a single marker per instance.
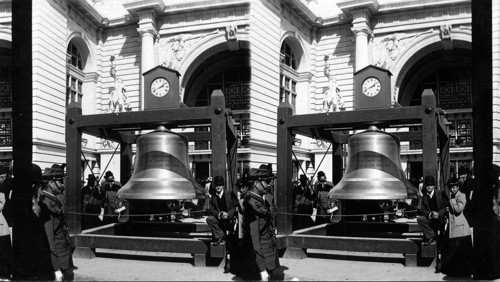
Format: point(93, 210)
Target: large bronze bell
point(161, 170)
point(374, 169)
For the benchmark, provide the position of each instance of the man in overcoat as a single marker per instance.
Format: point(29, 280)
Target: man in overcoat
point(432, 211)
point(258, 227)
point(55, 222)
point(222, 211)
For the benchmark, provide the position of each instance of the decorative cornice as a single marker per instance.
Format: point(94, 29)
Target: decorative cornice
point(90, 13)
point(134, 6)
point(302, 10)
point(348, 6)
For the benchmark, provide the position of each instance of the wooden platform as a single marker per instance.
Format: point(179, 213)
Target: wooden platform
point(173, 237)
point(376, 237)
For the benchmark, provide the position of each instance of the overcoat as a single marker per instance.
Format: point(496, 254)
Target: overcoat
point(57, 231)
point(231, 203)
point(4, 227)
point(258, 227)
point(459, 227)
point(442, 201)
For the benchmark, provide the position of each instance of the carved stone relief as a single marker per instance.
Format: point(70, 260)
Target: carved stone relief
point(388, 49)
point(174, 48)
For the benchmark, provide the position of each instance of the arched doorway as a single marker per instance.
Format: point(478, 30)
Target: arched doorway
point(230, 72)
point(448, 74)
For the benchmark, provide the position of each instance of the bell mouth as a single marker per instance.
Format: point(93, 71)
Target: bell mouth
point(373, 169)
point(161, 169)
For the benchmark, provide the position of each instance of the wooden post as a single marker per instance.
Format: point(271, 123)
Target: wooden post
point(444, 149)
point(429, 134)
point(486, 223)
point(218, 135)
point(73, 169)
point(22, 125)
point(337, 167)
point(125, 162)
point(284, 170)
point(232, 153)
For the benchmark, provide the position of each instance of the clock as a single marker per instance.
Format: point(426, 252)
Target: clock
point(371, 86)
point(160, 87)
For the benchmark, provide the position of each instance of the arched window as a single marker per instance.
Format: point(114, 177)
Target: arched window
point(74, 75)
point(234, 83)
point(288, 75)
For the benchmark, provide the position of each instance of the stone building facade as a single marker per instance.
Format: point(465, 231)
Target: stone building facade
point(259, 52)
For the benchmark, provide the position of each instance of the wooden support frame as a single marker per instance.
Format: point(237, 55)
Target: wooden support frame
point(320, 125)
point(117, 127)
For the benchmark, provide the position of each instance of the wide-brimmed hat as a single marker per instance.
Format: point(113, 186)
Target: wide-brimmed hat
point(429, 180)
point(56, 171)
point(264, 172)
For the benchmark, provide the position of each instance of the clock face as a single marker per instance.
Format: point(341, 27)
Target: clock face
point(371, 86)
point(160, 87)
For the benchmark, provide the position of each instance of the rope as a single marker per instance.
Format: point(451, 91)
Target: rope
point(283, 213)
point(344, 215)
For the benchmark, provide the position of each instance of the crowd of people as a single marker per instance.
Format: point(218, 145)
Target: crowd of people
point(311, 202)
point(445, 219)
point(40, 234)
point(245, 221)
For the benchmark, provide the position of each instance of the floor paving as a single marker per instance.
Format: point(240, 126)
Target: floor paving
point(320, 265)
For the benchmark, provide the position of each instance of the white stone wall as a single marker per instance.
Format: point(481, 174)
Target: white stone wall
point(265, 57)
point(49, 82)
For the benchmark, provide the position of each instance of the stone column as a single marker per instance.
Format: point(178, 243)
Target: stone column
point(362, 30)
point(147, 30)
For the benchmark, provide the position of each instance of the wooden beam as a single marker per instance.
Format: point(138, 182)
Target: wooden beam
point(357, 119)
point(429, 135)
point(218, 135)
point(284, 170)
point(146, 119)
point(73, 169)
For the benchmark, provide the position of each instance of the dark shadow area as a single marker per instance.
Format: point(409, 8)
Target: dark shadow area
point(144, 257)
point(356, 258)
point(450, 278)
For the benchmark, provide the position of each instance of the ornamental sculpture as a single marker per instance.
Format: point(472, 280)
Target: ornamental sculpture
point(332, 96)
point(118, 101)
point(175, 48)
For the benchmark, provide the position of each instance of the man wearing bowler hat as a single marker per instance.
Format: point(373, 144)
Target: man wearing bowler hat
point(92, 197)
point(222, 210)
point(431, 214)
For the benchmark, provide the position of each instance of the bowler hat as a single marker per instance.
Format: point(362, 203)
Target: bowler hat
point(303, 177)
point(429, 180)
point(91, 178)
point(108, 174)
point(219, 180)
point(463, 170)
point(36, 173)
